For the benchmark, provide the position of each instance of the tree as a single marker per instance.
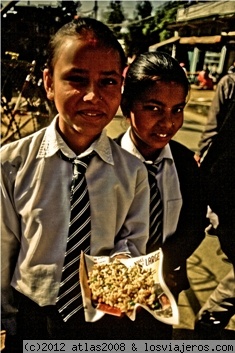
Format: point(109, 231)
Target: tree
point(149, 31)
point(144, 8)
point(135, 40)
point(116, 15)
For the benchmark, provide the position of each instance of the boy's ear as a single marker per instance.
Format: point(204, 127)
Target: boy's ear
point(48, 84)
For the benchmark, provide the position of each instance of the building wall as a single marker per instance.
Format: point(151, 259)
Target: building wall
point(207, 37)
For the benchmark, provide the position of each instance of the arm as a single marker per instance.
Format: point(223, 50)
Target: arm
point(192, 222)
point(222, 201)
point(10, 244)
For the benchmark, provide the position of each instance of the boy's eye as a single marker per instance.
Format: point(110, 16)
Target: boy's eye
point(156, 108)
point(109, 81)
point(85, 81)
point(178, 110)
point(152, 108)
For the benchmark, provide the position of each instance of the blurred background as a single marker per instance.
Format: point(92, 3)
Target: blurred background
point(199, 34)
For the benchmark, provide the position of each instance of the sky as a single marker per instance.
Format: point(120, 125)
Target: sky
point(87, 5)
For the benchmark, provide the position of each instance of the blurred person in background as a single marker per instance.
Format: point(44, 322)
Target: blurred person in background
point(204, 80)
point(218, 174)
point(225, 92)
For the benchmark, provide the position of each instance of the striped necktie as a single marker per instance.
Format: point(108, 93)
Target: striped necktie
point(156, 209)
point(69, 299)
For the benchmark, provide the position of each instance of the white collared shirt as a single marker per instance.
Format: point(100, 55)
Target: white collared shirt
point(168, 184)
point(36, 210)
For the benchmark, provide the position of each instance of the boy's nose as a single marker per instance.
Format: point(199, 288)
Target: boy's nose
point(88, 96)
point(92, 94)
point(166, 119)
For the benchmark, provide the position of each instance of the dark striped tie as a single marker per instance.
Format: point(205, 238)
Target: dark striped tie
point(156, 209)
point(69, 300)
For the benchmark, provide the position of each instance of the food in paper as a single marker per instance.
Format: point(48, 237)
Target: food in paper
point(121, 287)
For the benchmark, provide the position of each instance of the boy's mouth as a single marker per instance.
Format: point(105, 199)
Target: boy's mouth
point(92, 114)
point(162, 135)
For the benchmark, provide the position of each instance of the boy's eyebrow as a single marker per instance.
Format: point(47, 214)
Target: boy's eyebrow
point(84, 71)
point(155, 101)
point(110, 73)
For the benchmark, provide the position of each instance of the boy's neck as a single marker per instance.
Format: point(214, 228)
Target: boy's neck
point(77, 142)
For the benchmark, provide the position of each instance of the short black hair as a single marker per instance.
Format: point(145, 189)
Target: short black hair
point(146, 69)
point(83, 26)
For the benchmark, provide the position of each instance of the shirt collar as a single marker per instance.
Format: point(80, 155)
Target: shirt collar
point(128, 145)
point(53, 142)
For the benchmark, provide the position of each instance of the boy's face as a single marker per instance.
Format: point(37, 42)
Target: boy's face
point(86, 87)
point(157, 116)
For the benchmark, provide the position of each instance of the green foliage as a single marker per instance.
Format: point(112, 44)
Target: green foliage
point(116, 14)
point(163, 35)
point(144, 33)
point(144, 8)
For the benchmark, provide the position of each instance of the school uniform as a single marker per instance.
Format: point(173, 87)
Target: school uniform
point(35, 217)
point(182, 238)
point(183, 232)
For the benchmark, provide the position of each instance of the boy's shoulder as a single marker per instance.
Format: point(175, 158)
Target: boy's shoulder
point(21, 148)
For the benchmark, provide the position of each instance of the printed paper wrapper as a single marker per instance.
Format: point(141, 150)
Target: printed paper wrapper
point(168, 311)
